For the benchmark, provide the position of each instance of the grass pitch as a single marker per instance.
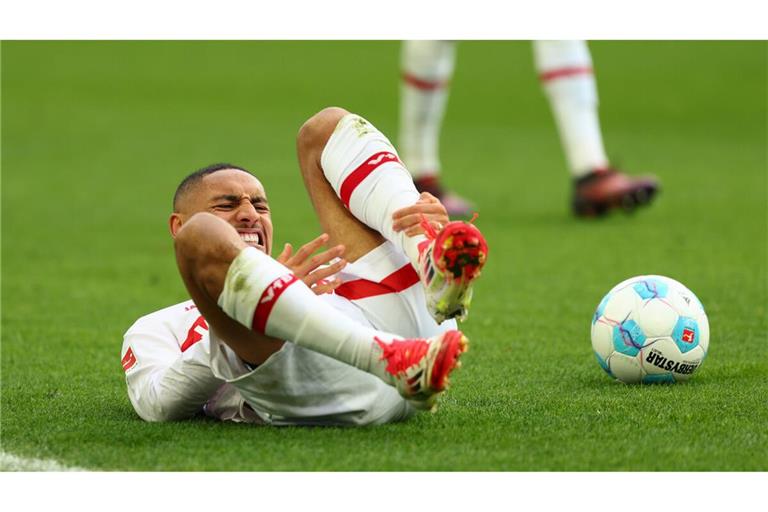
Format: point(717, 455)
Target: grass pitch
point(96, 135)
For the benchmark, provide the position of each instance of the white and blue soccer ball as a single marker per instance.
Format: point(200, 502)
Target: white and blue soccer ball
point(650, 329)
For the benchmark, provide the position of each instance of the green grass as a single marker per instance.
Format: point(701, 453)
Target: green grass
point(96, 135)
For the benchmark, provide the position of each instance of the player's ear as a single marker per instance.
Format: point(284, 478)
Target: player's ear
point(174, 223)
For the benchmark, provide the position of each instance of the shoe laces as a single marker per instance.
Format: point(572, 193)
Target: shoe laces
point(402, 354)
point(429, 229)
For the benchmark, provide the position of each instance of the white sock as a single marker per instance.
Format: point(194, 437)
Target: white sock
point(266, 297)
point(364, 169)
point(427, 68)
point(565, 70)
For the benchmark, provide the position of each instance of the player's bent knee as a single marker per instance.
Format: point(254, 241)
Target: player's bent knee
point(315, 132)
point(205, 246)
point(197, 228)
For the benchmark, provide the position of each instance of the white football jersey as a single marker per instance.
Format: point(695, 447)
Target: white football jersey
point(166, 359)
point(176, 367)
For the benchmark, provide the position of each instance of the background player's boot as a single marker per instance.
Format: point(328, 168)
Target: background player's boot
point(449, 262)
point(605, 189)
point(420, 367)
point(456, 205)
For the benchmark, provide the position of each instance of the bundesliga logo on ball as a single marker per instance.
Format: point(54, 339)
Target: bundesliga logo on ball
point(650, 329)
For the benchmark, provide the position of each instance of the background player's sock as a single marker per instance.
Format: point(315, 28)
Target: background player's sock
point(265, 296)
point(427, 68)
point(565, 70)
point(364, 169)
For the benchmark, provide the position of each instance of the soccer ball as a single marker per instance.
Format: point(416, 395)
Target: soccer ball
point(650, 329)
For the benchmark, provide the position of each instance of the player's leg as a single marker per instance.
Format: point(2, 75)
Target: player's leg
point(427, 69)
point(342, 227)
point(368, 179)
point(565, 70)
point(338, 154)
point(204, 251)
point(232, 282)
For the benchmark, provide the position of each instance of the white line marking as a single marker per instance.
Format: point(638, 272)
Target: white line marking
point(9, 462)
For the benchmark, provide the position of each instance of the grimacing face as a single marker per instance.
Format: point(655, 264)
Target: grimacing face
point(235, 196)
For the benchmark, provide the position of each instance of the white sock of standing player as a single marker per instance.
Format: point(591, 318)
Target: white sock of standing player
point(565, 70)
point(264, 296)
point(427, 68)
point(367, 174)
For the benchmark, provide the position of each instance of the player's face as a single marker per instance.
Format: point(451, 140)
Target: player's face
point(238, 198)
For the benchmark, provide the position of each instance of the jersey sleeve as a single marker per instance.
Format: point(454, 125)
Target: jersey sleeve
point(164, 382)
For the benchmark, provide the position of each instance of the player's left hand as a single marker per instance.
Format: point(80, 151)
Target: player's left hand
point(310, 268)
point(408, 219)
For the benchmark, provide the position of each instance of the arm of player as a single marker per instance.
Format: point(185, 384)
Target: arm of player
point(164, 383)
point(409, 219)
point(314, 270)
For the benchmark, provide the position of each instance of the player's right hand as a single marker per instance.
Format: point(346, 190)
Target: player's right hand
point(314, 270)
point(428, 207)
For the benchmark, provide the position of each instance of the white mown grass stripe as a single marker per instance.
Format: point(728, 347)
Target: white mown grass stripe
point(9, 462)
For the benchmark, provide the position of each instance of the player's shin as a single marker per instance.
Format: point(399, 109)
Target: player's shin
point(565, 71)
point(266, 297)
point(367, 174)
point(427, 68)
point(363, 168)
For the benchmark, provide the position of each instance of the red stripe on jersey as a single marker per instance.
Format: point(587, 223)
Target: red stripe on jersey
point(195, 333)
point(129, 360)
point(358, 175)
point(268, 299)
point(397, 281)
point(563, 73)
point(424, 85)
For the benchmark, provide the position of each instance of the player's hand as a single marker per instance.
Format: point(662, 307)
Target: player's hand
point(408, 219)
point(307, 267)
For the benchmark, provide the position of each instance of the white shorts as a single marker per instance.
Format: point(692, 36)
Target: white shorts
point(296, 386)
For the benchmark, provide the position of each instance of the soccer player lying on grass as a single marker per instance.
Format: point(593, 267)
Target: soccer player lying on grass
point(368, 346)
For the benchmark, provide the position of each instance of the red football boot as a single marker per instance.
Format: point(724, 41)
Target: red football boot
point(420, 367)
point(450, 261)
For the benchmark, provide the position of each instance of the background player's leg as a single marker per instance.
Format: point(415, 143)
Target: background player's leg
point(565, 71)
point(342, 227)
point(427, 68)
